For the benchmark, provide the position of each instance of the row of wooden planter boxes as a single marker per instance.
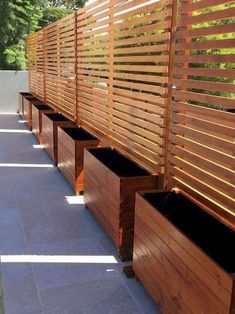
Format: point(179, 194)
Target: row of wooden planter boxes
point(183, 256)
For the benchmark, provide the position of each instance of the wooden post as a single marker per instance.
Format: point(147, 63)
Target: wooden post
point(111, 52)
point(170, 86)
point(44, 66)
point(76, 68)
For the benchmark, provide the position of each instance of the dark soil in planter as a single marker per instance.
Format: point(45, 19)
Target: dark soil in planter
point(213, 237)
point(56, 117)
point(118, 163)
point(25, 94)
point(43, 107)
point(79, 134)
point(32, 98)
point(231, 110)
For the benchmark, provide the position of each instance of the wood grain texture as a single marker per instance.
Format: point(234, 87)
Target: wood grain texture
point(71, 157)
point(197, 284)
point(50, 135)
point(112, 199)
point(28, 103)
point(37, 121)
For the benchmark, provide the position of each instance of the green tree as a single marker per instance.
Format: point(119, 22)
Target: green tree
point(17, 19)
point(52, 14)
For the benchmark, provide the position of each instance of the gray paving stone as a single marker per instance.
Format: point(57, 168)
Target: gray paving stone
point(36, 219)
point(103, 296)
point(20, 293)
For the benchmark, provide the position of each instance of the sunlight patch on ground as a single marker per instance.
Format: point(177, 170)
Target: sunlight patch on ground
point(63, 259)
point(38, 146)
point(73, 200)
point(16, 165)
point(14, 131)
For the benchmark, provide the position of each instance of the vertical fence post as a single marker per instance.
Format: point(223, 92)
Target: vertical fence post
point(168, 178)
point(75, 68)
point(111, 51)
point(44, 66)
point(170, 86)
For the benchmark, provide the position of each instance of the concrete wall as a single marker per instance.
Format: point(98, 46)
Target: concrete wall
point(11, 83)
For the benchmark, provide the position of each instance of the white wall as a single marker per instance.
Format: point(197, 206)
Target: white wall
point(11, 83)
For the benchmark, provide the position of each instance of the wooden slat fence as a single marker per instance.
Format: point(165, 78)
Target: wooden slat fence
point(36, 63)
point(60, 65)
point(156, 80)
point(202, 138)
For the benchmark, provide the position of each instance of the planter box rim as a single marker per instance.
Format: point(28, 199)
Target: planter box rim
point(78, 134)
point(56, 117)
point(195, 218)
point(26, 94)
point(131, 169)
point(42, 107)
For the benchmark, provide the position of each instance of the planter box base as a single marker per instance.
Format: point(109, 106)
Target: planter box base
point(50, 123)
point(110, 184)
point(71, 144)
point(183, 256)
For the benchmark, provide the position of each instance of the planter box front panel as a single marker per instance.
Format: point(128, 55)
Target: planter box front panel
point(71, 156)
point(50, 134)
point(37, 111)
point(21, 102)
point(176, 272)
point(111, 199)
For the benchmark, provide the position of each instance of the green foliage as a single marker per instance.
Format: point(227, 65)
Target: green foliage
point(20, 17)
point(17, 19)
point(52, 14)
point(15, 56)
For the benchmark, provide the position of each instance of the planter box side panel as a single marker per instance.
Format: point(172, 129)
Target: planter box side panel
point(48, 135)
point(56, 125)
point(80, 146)
point(66, 156)
point(128, 189)
point(35, 122)
point(102, 195)
point(21, 106)
point(163, 262)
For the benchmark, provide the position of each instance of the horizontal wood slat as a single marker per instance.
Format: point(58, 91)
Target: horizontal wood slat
point(202, 140)
point(60, 65)
point(123, 55)
point(35, 53)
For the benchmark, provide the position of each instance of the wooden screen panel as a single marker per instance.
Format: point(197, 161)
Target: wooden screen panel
point(122, 75)
point(141, 44)
point(51, 57)
point(93, 67)
point(202, 148)
point(66, 76)
point(36, 63)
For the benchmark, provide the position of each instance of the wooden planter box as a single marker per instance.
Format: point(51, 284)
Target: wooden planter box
point(71, 144)
point(50, 123)
point(110, 183)
point(22, 95)
point(37, 111)
point(28, 102)
point(183, 256)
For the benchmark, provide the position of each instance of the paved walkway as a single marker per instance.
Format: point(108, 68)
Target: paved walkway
point(55, 259)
